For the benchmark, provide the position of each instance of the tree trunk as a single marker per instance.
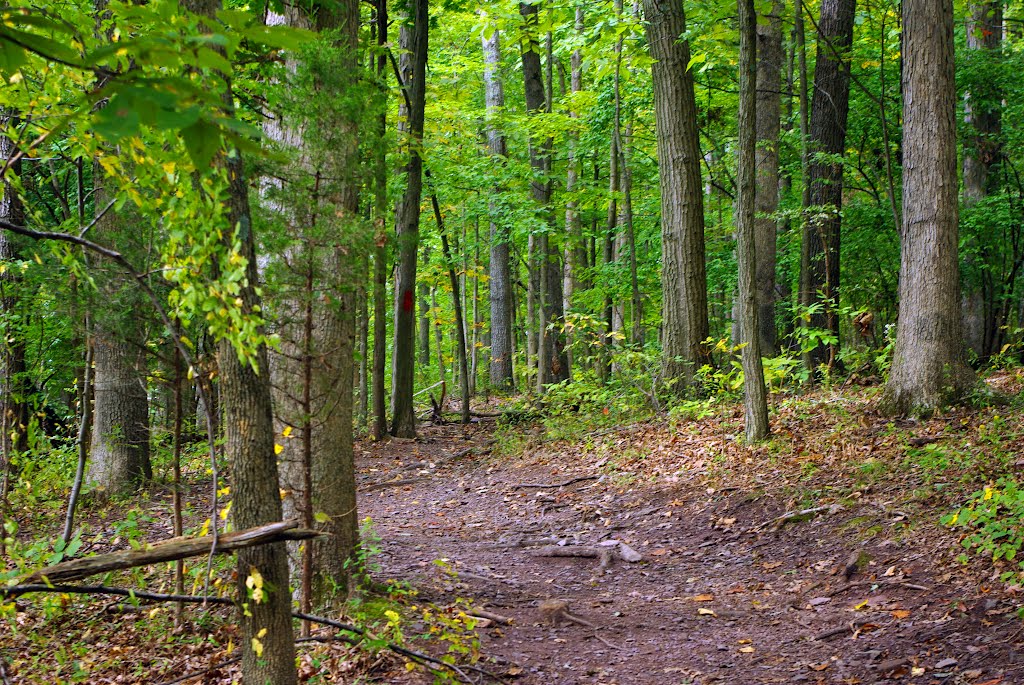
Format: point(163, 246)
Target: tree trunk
point(500, 268)
point(982, 150)
point(766, 198)
point(249, 447)
point(13, 407)
point(829, 109)
point(929, 367)
point(423, 334)
point(380, 252)
point(413, 69)
point(552, 365)
point(314, 376)
point(684, 280)
point(460, 329)
point(755, 401)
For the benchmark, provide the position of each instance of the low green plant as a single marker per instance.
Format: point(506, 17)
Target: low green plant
point(995, 518)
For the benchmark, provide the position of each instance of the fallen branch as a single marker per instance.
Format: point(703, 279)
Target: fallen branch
point(860, 583)
point(387, 484)
point(605, 554)
point(556, 485)
point(497, 618)
point(803, 514)
point(170, 550)
point(848, 628)
point(419, 657)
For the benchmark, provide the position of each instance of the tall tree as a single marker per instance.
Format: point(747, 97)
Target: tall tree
point(754, 396)
point(929, 367)
point(500, 269)
point(766, 198)
point(684, 279)
point(982, 151)
point(268, 647)
point(552, 364)
point(380, 252)
point(314, 373)
point(413, 72)
point(829, 110)
point(13, 400)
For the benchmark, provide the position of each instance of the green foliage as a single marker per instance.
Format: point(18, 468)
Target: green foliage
point(994, 517)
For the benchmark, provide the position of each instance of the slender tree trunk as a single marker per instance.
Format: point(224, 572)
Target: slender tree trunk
point(755, 401)
point(460, 330)
point(766, 198)
point(829, 110)
point(413, 70)
point(249, 447)
point(982, 150)
point(363, 336)
point(380, 252)
point(684, 280)
point(500, 265)
point(929, 368)
point(552, 365)
point(575, 248)
point(13, 407)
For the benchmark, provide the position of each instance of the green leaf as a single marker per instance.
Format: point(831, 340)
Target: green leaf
point(203, 141)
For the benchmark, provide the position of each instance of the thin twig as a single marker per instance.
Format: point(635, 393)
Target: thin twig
point(557, 485)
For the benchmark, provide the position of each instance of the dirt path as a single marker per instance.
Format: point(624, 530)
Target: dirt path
point(725, 592)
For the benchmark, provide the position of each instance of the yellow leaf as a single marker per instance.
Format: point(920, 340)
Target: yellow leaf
point(263, 631)
point(988, 493)
point(287, 432)
point(257, 647)
point(278, 448)
point(861, 605)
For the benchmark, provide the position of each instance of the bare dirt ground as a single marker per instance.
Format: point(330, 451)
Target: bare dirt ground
point(728, 590)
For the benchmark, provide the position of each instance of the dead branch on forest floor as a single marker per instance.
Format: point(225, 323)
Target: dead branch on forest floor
point(170, 550)
point(578, 479)
point(370, 487)
point(793, 516)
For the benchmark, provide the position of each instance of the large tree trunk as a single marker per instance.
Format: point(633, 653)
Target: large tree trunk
point(684, 279)
point(120, 435)
point(766, 198)
point(552, 364)
point(829, 109)
point(249, 448)
point(413, 70)
point(755, 401)
point(929, 368)
point(314, 375)
point(982, 150)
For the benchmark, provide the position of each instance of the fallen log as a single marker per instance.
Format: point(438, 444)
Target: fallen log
point(169, 550)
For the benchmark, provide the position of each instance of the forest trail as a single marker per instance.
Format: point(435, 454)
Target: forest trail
point(726, 591)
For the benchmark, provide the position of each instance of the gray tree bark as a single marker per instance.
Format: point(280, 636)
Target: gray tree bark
point(684, 279)
point(413, 70)
point(829, 110)
point(755, 402)
point(929, 367)
point(766, 198)
point(249, 447)
point(380, 252)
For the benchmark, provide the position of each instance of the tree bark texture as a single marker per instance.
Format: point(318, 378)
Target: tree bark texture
point(552, 364)
point(829, 110)
point(13, 408)
point(755, 402)
point(982, 151)
point(929, 367)
point(766, 198)
point(314, 374)
point(380, 252)
point(249, 448)
point(413, 69)
point(684, 279)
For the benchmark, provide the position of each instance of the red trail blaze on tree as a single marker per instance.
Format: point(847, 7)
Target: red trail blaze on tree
point(407, 301)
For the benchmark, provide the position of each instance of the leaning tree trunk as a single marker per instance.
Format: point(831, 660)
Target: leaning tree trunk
point(755, 402)
point(829, 109)
point(413, 70)
point(766, 198)
point(684, 279)
point(249, 448)
point(929, 367)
